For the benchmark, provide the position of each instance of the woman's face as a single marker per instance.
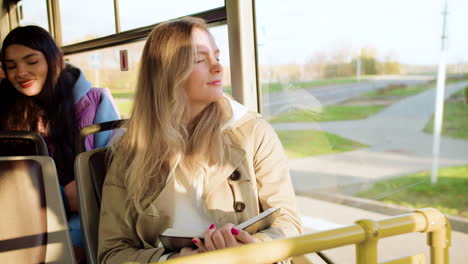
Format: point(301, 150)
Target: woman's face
point(26, 69)
point(203, 85)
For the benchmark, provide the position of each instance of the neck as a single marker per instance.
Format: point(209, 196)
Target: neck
point(196, 109)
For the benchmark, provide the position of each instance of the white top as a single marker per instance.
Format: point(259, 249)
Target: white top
point(189, 214)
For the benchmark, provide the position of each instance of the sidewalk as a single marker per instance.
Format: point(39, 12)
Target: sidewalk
point(319, 215)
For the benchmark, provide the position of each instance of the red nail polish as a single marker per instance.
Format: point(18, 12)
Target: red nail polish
point(194, 241)
point(234, 231)
point(212, 226)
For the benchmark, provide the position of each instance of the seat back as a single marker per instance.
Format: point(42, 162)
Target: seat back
point(96, 128)
point(33, 227)
point(22, 143)
point(90, 171)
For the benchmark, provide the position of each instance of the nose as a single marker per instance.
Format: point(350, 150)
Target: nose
point(216, 67)
point(21, 70)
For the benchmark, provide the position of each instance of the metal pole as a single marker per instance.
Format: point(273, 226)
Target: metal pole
point(366, 251)
point(117, 16)
point(439, 102)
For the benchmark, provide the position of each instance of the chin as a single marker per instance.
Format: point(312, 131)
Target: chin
point(30, 92)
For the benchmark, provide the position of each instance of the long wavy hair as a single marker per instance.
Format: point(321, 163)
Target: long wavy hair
point(53, 108)
point(159, 129)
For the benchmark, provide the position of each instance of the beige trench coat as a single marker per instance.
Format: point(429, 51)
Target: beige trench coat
point(254, 177)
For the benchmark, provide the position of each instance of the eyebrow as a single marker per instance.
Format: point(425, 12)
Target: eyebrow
point(206, 52)
point(24, 58)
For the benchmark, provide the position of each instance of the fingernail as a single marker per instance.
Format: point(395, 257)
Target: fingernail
point(234, 231)
point(212, 226)
point(194, 241)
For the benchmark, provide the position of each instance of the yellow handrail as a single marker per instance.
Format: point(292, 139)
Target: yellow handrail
point(365, 234)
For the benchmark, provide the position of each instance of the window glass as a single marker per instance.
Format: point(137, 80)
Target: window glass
point(350, 87)
point(102, 68)
point(86, 19)
point(33, 13)
point(139, 13)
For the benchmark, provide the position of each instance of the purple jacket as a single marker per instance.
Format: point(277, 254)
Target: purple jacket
point(92, 106)
point(86, 110)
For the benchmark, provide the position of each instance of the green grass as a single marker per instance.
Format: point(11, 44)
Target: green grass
point(329, 113)
point(399, 90)
point(305, 143)
point(124, 108)
point(274, 87)
point(119, 93)
point(455, 119)
point(449, 194)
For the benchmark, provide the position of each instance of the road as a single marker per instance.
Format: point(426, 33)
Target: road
point(313, 98)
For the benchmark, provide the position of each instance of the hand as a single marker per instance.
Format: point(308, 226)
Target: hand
point(70, 193)
point(225, 237)
point(184, 252)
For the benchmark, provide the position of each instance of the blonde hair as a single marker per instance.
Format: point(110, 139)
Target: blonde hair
point(159, 129)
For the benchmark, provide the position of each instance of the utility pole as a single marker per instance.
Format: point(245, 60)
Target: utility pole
point(439, 101)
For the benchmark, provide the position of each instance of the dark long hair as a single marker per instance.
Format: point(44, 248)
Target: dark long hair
point(53, 106)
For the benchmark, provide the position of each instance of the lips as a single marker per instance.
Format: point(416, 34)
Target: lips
point(217, 83)
point(26, 84)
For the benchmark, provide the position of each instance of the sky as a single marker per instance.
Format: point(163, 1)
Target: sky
point(293, 31)
point(411, 29)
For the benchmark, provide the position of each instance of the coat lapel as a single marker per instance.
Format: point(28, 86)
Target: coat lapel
point(232, 160)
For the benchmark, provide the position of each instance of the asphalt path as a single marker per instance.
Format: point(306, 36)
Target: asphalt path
point(316, 97)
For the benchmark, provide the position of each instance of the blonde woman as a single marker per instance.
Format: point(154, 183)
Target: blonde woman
point(191, 157)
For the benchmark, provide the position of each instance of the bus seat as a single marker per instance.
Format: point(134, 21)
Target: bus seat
point(90, 171)
point(22, 143)
point(33, 227)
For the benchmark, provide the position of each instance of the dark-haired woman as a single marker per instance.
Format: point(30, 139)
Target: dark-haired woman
point(42, 94)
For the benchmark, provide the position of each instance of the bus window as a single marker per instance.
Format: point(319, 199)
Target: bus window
point(102, 67)
point(140, 13)
point(33, 13)
point(86, 20)
point(351, 93)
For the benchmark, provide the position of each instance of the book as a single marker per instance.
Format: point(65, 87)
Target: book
point(176, 239)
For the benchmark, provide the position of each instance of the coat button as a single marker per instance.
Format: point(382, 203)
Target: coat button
point(239, 207)
point(235, 176)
